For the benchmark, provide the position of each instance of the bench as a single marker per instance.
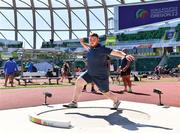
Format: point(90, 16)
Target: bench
point(27, 79)
point(53, 78)
point(28, 76)
point(70, 78)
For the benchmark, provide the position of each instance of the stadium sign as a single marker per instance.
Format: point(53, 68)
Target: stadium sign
point(129, 16)
point(110, 40)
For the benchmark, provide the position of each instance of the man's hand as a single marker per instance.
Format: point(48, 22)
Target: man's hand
point(83, 44)
point(130, 58)
point(82, 40)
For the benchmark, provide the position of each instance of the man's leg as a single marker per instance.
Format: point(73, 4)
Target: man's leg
point(80, 82)
point(114, 98)
point(111, 96)
point(103, 85)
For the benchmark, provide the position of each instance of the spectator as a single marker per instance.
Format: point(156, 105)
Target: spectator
point(77, 69)
point(92, 88)
point(65, 71)
point(157, 70)
point(125, 72)
point(111, 68)
point(10, 69)
point(49, 73)
point(29, 66)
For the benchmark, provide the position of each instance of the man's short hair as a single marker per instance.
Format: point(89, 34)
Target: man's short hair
point(94, 34)
point(11, 58)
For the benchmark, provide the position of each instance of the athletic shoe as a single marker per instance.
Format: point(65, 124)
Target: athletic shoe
point(71, 105)
point(116, 105)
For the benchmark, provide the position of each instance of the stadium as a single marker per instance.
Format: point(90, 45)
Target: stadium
point(44, 37)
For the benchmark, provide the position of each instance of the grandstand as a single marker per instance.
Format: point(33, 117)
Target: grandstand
point(12, 44)
point(148, 46)
point(173, 61)
point(142, 39)
point(63, 27)
point(147, 64)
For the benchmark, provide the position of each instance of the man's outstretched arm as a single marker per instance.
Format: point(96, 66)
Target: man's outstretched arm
point(121, 54)
point(86, 46)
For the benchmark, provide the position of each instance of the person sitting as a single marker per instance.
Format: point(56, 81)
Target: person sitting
point(49, 73)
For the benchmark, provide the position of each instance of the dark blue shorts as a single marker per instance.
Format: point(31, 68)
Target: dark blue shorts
point(102, 82)
point(10, 74)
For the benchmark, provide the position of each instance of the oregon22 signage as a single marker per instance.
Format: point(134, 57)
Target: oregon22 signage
point(128, 16)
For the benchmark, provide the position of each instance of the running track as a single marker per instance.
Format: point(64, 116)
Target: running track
point(143, 92)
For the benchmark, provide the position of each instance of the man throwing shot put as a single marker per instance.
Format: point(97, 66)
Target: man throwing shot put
point(97, 70)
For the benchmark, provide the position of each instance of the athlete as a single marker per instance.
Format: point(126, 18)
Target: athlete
point(97, 70)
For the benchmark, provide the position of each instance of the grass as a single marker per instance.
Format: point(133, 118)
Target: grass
point(53, 85)
point(146, 80)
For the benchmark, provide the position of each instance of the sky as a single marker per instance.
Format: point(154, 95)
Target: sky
point(61, 21)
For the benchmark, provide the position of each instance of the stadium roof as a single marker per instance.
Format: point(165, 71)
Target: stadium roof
point(9, 42)
point(35, 21)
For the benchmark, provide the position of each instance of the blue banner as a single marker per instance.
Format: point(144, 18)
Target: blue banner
point(143, 14)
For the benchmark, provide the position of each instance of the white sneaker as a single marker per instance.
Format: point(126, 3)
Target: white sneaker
point(71, 105)
point(116, 105)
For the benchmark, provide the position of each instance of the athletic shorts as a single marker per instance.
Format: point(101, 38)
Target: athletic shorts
point(102, 82)
point(10, 74)
point(126, 73)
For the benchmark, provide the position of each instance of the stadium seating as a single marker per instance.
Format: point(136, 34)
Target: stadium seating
point(153, 34)
point(146, 63)
point(178, 32)
point(173, 61)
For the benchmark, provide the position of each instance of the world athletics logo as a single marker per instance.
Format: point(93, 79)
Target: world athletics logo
point(141, 13)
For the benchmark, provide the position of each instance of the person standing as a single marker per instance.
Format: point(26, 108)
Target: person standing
point(10, 69)
point(125, 72)
point(97, 70)
point(30, 69)
point(92, 88)
point(65, 71)
point(29, 66)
